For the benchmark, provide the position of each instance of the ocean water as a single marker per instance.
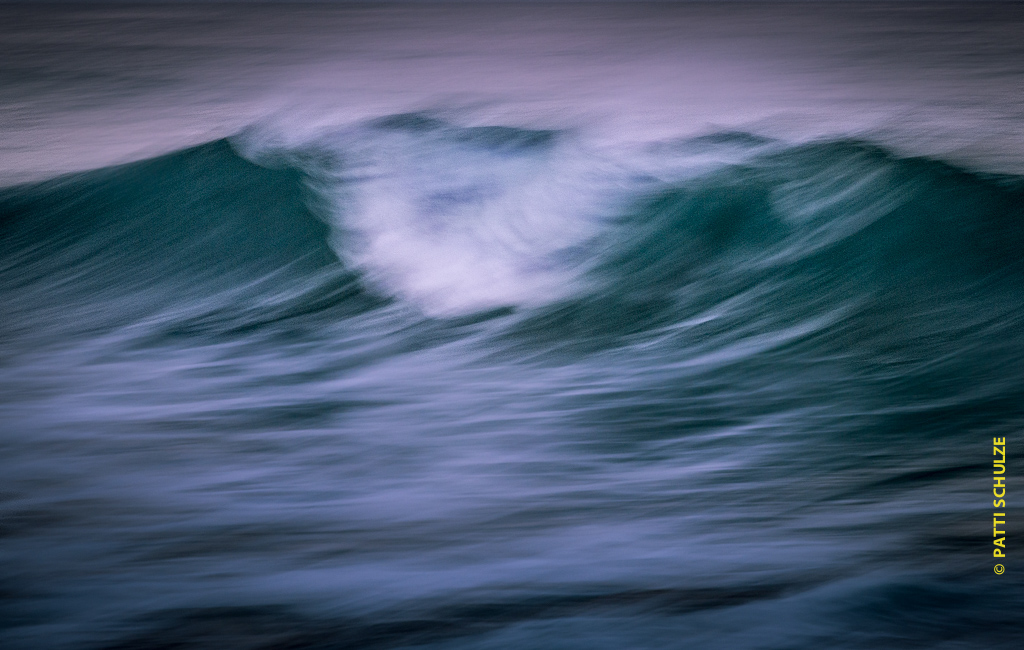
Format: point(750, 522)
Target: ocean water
point(516, 326)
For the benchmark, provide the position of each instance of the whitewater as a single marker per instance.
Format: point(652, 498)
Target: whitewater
point(509, 326)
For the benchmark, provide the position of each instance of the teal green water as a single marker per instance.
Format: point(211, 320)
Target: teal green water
point(765, 395)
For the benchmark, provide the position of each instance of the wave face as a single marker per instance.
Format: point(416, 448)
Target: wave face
point(410, 383)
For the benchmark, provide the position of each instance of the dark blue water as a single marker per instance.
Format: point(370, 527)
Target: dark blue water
point(418, 380)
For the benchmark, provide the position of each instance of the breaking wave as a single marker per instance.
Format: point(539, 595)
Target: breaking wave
point(415, 382)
